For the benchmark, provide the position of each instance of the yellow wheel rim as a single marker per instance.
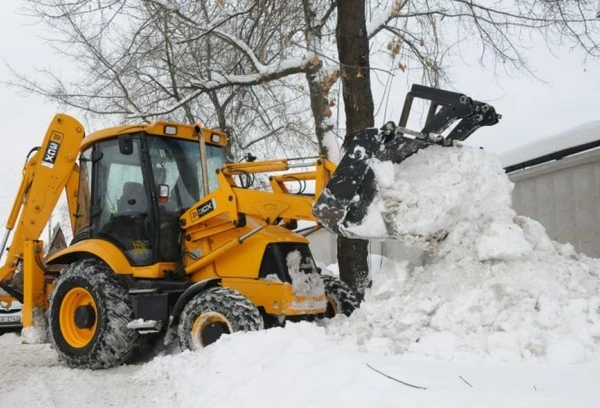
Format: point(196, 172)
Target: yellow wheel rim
point(74, 335)
point(204, 322)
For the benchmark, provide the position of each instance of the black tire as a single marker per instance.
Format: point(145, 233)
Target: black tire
point(216, 311)
point(340, 298)
point(111, 343)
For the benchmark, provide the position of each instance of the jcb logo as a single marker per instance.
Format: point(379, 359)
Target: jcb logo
point(52, 150)
point(205, 208)
point(57, 137)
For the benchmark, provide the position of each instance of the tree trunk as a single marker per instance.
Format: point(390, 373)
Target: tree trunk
point(319, 106)
point(319, 84)
point(353, 50)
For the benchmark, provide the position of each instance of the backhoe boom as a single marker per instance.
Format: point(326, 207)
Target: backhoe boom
point(45, 175)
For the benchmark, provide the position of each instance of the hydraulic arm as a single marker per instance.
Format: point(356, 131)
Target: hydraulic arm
point(47, 171)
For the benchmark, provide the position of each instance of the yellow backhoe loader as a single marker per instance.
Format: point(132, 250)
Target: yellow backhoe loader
point(164, 239)
point(170, 239)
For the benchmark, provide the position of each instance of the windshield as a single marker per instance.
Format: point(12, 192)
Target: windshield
point(176, 163)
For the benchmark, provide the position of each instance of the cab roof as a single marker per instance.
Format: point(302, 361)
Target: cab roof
point(159, 128)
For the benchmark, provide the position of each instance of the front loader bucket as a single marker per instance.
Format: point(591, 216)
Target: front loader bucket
point(346, 198)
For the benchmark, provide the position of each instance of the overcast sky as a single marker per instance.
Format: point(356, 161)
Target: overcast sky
point(531, 110)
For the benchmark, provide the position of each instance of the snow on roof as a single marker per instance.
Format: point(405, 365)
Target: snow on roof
point(577, 136)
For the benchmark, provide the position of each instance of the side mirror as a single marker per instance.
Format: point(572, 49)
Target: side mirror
point(125, 145)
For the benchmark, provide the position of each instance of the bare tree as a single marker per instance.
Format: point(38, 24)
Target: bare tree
point(176, 58)
point(425, 33)
point(318, 77)
point(185, 61)
point(245, 65)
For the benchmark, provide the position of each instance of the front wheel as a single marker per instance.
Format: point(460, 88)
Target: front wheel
point(214, 312)
point(88, 315)
point(340, 298)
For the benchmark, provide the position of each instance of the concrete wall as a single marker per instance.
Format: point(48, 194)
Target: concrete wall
point(323, 246)
point(564, 196)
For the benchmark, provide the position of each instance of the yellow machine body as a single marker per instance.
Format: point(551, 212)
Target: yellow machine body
point(226, 244)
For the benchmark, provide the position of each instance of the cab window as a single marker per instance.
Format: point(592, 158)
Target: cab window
point(122, 202)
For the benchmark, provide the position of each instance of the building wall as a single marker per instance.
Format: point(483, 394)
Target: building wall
point(564, 196)
point(323, 246)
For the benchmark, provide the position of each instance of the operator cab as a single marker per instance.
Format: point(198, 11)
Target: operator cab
point(134, 187)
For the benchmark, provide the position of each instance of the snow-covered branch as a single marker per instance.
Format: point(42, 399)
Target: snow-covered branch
point(234, 41)
point(379, 22)
point(218, 81)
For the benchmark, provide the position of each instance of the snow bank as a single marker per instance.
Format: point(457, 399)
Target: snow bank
point(303, 282)
point(496, 286)
point(298, 366)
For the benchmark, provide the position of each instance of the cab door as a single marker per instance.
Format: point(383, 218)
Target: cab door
point(122, 203)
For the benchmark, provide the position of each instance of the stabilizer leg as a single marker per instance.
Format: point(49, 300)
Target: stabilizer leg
point(35, 301)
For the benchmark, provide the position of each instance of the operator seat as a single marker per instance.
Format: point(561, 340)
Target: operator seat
point(133, 200)
point(130, 226)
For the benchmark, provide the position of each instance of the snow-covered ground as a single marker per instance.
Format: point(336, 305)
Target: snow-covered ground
point(500, 316)
point(298, 366)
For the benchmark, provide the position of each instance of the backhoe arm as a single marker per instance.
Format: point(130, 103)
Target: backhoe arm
point(45, 175)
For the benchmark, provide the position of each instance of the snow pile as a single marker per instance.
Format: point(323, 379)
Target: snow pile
point(421, 199)
point(264, 368)
point(304, 283)
point(495, 287)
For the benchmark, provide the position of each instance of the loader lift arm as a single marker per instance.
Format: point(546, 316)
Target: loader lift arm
point(228, 206)
point(294, 206)
point(346, 198)
point(50, 169)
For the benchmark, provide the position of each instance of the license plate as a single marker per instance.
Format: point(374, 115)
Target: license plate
point(9, 319)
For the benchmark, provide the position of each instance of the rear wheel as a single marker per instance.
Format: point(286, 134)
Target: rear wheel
point(88, 315)
point(215, 312)
point(340, 298)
